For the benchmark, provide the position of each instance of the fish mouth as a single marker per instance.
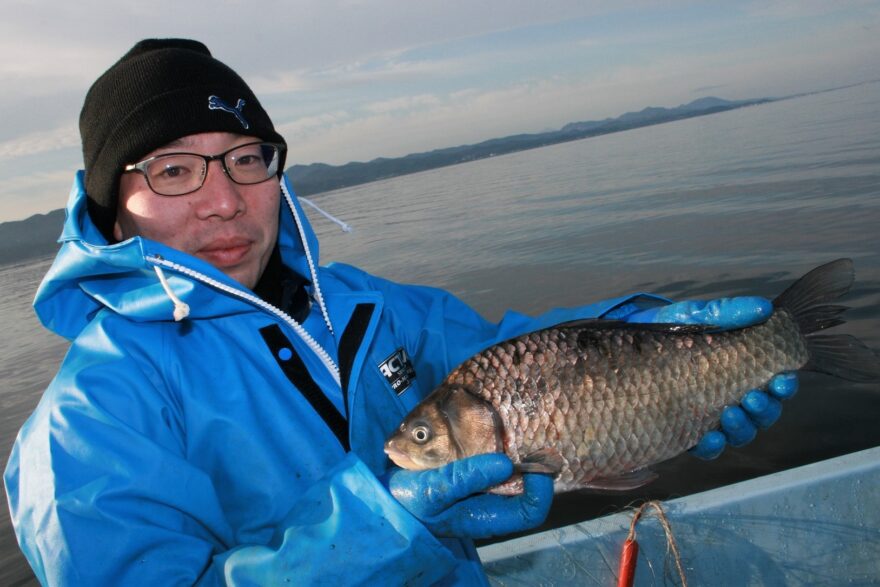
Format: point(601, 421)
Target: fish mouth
point(400, 458)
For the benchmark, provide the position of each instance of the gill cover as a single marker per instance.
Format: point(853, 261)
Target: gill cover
point(474, 425)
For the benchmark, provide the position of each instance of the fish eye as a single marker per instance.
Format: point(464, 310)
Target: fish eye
point(421, 434)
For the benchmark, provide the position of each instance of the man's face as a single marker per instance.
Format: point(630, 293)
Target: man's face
point(234, 227)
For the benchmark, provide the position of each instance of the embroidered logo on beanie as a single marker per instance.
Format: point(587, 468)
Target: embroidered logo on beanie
point(216, 103)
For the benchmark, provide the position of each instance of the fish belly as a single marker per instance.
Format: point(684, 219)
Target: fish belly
point(615, 400)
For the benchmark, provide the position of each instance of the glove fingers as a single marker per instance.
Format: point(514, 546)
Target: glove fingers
point(489, 515)
point(738, 312)
point(428, 493)
point(724, 313)
point(737, 426)
point(710, 446)
point(475, 474)
point(761, 408)
point(783, 385)
point(536, 498)
point(440, 488)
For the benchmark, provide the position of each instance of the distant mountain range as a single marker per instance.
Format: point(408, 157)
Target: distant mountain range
point(320, 177)
point(35, 236)
point(31, 238)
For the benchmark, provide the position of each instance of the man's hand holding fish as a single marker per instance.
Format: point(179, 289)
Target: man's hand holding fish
point(452, 500)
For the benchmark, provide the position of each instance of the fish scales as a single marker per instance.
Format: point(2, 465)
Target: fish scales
point(612, 400)
point(597, 402)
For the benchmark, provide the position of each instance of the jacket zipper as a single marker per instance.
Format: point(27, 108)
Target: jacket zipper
point(319, 351)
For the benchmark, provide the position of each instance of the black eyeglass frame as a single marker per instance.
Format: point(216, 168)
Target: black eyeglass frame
point(141, 166)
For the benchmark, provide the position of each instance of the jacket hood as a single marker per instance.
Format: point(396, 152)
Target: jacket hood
point(89, 274)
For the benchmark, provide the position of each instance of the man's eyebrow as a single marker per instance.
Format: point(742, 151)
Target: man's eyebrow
point(181, 142)
point(175, 144)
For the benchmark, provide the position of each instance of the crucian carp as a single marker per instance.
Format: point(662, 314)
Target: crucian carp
point(597, 402)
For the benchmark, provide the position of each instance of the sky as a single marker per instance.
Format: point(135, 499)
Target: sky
point(352, 80)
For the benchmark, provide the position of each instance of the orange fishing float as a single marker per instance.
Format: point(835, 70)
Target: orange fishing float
point(626, 572)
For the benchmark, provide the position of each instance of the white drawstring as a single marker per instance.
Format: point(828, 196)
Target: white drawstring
point(319, 297)
point(181, 309)
point(297, 327)
point(343, 225)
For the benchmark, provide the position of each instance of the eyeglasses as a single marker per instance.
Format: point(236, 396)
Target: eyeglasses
point(178, 174)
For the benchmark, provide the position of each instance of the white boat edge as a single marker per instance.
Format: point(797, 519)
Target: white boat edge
point(818, 524)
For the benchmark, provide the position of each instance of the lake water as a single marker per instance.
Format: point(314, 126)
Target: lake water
point(739, 202)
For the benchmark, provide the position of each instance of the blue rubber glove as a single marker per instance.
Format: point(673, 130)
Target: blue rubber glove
point(724, 313)
point(450, 501)
point(759, 408)
point(740, 424)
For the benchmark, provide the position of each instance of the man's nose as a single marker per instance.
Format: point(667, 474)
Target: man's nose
point(220, 196)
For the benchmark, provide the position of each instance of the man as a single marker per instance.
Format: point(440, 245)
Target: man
point(220, 416)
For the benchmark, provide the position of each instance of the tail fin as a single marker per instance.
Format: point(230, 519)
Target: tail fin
point(806, 299)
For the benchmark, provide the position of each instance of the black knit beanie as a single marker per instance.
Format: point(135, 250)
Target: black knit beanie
point(161, 90)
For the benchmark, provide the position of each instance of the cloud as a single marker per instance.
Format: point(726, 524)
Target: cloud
point(799, 9)
point(420, 121)
point(35, 193)
point(423, 122)
point(305, 126)
point(705, 89)
point(403, 104)
point(41, 142)
point(356, 79)
point(386, 68)
point(280, 82)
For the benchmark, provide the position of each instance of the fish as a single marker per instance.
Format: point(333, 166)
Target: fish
point(597, 402)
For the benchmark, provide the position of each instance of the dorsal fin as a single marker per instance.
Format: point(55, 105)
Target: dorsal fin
point(600, 324)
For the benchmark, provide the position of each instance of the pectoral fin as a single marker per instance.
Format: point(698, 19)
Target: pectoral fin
point(546, 460)
point(625, 482)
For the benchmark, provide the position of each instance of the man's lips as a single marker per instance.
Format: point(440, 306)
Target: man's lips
point(225, 252)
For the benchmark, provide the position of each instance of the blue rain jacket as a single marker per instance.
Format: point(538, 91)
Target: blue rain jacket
point(187, 452)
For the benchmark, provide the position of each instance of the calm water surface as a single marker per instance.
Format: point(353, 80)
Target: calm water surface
point(739, 202)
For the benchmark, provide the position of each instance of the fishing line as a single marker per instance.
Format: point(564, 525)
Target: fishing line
point(630, 552)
